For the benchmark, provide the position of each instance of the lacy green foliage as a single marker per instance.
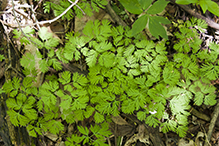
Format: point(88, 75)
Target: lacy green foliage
point(147, 18)
point(47, 42)
point(129, 75)
point(205, 5)
point(99, 132)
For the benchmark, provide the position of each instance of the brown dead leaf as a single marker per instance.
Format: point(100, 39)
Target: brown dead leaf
point(119, 120)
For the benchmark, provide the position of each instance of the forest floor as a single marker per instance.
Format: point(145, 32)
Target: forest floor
point(128, 134)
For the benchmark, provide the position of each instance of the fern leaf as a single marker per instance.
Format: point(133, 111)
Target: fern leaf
point(54, 126)
point(80, 103)
point(159, 110)
point(128, 106)
point(66, 101)
point(152, 121)
point(104, 107)
point(17, 33)
point(31, 114)
point(134, 72)
point(74, 140)
point(87, 31)
point(169, 125)
point(83, 130)
point(131, 62)
point(47, 97)
point(210, 99)
point(141, 115)
point(23, 120)
point(51, 43)
point(107, 59)
point(13, 117)
point(160, 48)
point(92, 58)
point(181, 130)
point(59, 9)
point(13, 93)
point(210, 71)
point(28, 61)
point(114, 87)
point(40, 105)
point(27, 82)
point(98, 117)
point(16, 83)
point(171, 75)
point(79, 115)
point(102, 47)
point(31, 131)
point(182, 119)
point(179, 105)
point(80, 79)
point(51, 85)
point(61, 55)
point(55, 63)
point(65, 77)
point(8, 86)
point(96, 79)
point(21, 97)
point(129, 50)
point(68, 87)
point(140, 81)
point(43, 66)
point(100, 131)
point(69, 52)
point(89, 111)
point(93, 89)
point(140, 54)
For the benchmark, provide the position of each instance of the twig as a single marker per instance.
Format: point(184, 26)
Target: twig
point(197, 15)
point(205, 135)
point(63, 13)
point(38, 5)
point(77, 7)
point(130, 17)
point(212, 124)
point(21, 13)
point(109, 143)
point(34, 17)
point(80, 9)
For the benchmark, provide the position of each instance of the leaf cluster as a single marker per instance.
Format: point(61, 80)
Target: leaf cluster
point(95, 136)
point(147, 16)
point(205, 5)
point(126, 74)
point(33, 60)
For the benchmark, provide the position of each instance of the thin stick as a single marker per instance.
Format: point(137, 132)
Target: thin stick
point(77, 6)
point(63, 13)
point(199, 16)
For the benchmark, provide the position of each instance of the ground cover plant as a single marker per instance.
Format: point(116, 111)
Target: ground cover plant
point(120, 73)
